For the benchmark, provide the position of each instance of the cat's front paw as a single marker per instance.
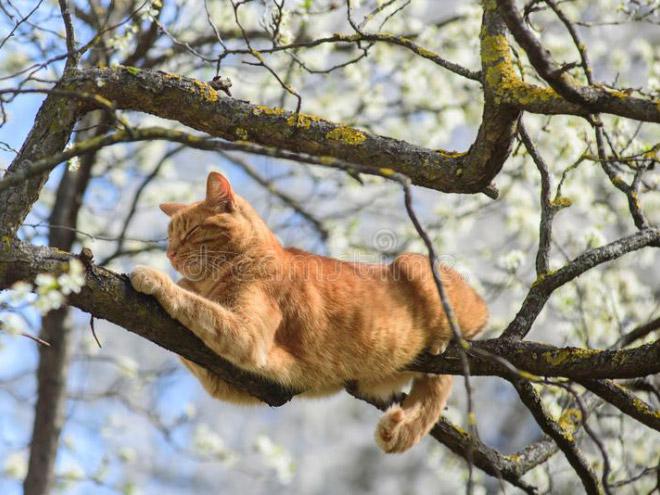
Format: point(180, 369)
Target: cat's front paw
point(438, 346)
point(148, 280)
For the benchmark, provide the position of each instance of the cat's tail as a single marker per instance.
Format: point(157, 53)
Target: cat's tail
point(403, 425)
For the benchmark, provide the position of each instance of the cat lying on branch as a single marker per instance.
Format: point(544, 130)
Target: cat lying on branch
point(308, 322)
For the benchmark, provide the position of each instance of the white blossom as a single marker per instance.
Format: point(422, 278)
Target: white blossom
point(71, 470)
point(48, 301)
point(12, 324)
point(512, 261)
point(15, 466)
point(594, 238)
point(208, 442)
point(20, 291)
point(45, 282)
point(74, 280)
point(127, 454)
point(127, 366)
point(276, 457)
point(74, 164)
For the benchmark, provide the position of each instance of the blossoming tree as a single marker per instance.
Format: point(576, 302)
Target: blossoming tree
point(337, 119)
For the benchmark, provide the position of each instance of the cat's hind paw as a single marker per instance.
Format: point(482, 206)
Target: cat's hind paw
point(394, 434)
point(147, 280)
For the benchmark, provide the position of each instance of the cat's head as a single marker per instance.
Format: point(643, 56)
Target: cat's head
point(203, 235)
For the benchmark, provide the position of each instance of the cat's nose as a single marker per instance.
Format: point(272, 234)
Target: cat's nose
point(171, 253)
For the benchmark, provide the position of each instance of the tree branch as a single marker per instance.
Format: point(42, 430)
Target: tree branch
point(639, 332)
point(51, 131)
point(72, 54)
point(508, 467)
point(545, 285)
point(623, 400)
point(544, 360)
point(199, 106)
point(562, 435)
point(54, 360)
point(593, 98)
point(109, 296)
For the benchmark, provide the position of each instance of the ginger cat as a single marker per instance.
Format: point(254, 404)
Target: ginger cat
point(308, 322)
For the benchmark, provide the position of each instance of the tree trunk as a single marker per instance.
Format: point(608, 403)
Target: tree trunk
point(54, 359)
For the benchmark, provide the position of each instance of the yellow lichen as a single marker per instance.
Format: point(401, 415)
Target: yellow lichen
point(635, 198)
point(304, 120)
point(346, 135)
point(451, 154)
point(423, 52)
point(618, 181)
point(561, 202)
point(257, 54)
point(387, 172)
point(460, 431)
point(264, 110)
point(494, 48)
point(170, 75)
point(642, 406)
point(500, 77)
point(568, 422)
point(528, 376)
point(556, 358)
point(207, 91)
point(542, 277)
point(241, 133)
point(652, 154)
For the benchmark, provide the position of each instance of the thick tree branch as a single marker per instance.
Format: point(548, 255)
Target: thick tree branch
point(199, 106)
point(545, 360)
point(593, 98)
point(109, 296)
point(130, 135)
point(51, 131)
point(54, 359)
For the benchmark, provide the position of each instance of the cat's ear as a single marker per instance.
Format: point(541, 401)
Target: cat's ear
point(218, 191)
point(171, 208)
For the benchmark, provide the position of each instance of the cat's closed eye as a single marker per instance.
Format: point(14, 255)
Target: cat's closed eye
point(190, 233)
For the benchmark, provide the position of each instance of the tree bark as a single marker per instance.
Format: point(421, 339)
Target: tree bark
point(54, 360)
